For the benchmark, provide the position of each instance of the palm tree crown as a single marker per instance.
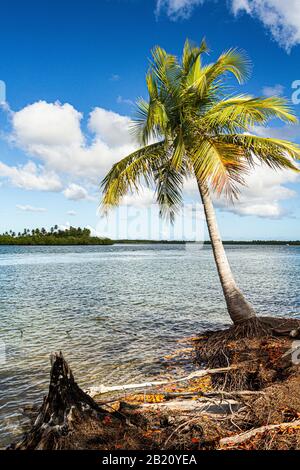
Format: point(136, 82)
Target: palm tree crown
point(198, 129)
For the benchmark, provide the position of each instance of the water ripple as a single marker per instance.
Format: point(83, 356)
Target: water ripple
point(115, 311)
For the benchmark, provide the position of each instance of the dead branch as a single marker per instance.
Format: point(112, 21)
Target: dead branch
point(193, 406)
point(100, 390)
point(240, 438)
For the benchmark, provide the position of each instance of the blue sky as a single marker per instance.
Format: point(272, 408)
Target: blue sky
point(72, 70)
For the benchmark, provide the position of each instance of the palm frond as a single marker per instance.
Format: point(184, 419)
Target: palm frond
point(169, 184)
point(276, 153)
point(166, 70)
point(127, 174)
point(179, 151)
point(205, 132)
point(191, 54)
point(221, 165)
point(233, 61)
point(244, 112)
point(150, 121)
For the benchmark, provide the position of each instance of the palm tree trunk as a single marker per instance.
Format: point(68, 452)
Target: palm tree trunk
point(238, 307)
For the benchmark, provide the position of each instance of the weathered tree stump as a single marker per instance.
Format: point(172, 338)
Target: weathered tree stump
point(66, 413)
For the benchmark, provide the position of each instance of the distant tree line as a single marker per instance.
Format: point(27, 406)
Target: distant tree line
point(258, 242)
point(55, 236)
point(82, 236)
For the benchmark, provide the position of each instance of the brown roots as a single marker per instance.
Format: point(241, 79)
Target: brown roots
point(65, 407)
point(256, 346)
point(257, 387)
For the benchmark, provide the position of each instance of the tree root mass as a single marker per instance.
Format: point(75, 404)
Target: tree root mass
point(248, 398)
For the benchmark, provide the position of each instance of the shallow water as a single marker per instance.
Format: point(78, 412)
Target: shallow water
point(116, 310)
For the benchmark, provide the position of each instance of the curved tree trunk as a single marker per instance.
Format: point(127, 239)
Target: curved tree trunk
point(238, 307)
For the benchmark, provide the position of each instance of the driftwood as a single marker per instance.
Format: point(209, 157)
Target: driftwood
point(65, 406)
point(240, 438)
point(215, 407)
point(100, 390)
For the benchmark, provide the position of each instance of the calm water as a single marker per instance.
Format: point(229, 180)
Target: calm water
point(115, 311)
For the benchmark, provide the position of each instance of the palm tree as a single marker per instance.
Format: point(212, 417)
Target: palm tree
point(200, 130)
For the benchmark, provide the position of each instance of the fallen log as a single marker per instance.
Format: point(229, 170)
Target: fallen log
point(102, 389)
point(65, 408)
point(245, 436)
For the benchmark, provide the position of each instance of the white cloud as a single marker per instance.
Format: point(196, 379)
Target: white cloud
point(261, 197)
point(76, 193)
point(280, 17)
point(112, 128)
point(276, 90)
point(47, 124)
point(28, 208)
point(115, 77)
point(144, 198)
point(285, 132)
point(264, 193)
point(31, 177)
point(65, 226)
point(51, 132)
point(121, 100)
point(177, 8)
point(72, 213)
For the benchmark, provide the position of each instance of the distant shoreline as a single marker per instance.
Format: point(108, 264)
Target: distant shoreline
point(95, 241)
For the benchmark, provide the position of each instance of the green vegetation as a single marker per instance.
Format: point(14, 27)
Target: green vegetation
point(202, 130)
point(71, 236)
point(259, 242)
point(82, 236)
point(149, 242)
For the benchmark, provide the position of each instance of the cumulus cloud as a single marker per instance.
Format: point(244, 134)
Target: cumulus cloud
point(31, 177)
point(51, 132)
point(276, 90)
point(112, 128)
point(28, 208)
point(75, 192)
point(47, 124)
point(265, 191)
point(262, 196)
point(144, 198)
point(280, 18)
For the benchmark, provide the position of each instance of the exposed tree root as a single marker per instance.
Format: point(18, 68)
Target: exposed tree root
point(249, 345)
point(248, 396)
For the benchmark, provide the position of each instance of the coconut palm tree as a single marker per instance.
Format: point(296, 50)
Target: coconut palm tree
point(200, 130)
